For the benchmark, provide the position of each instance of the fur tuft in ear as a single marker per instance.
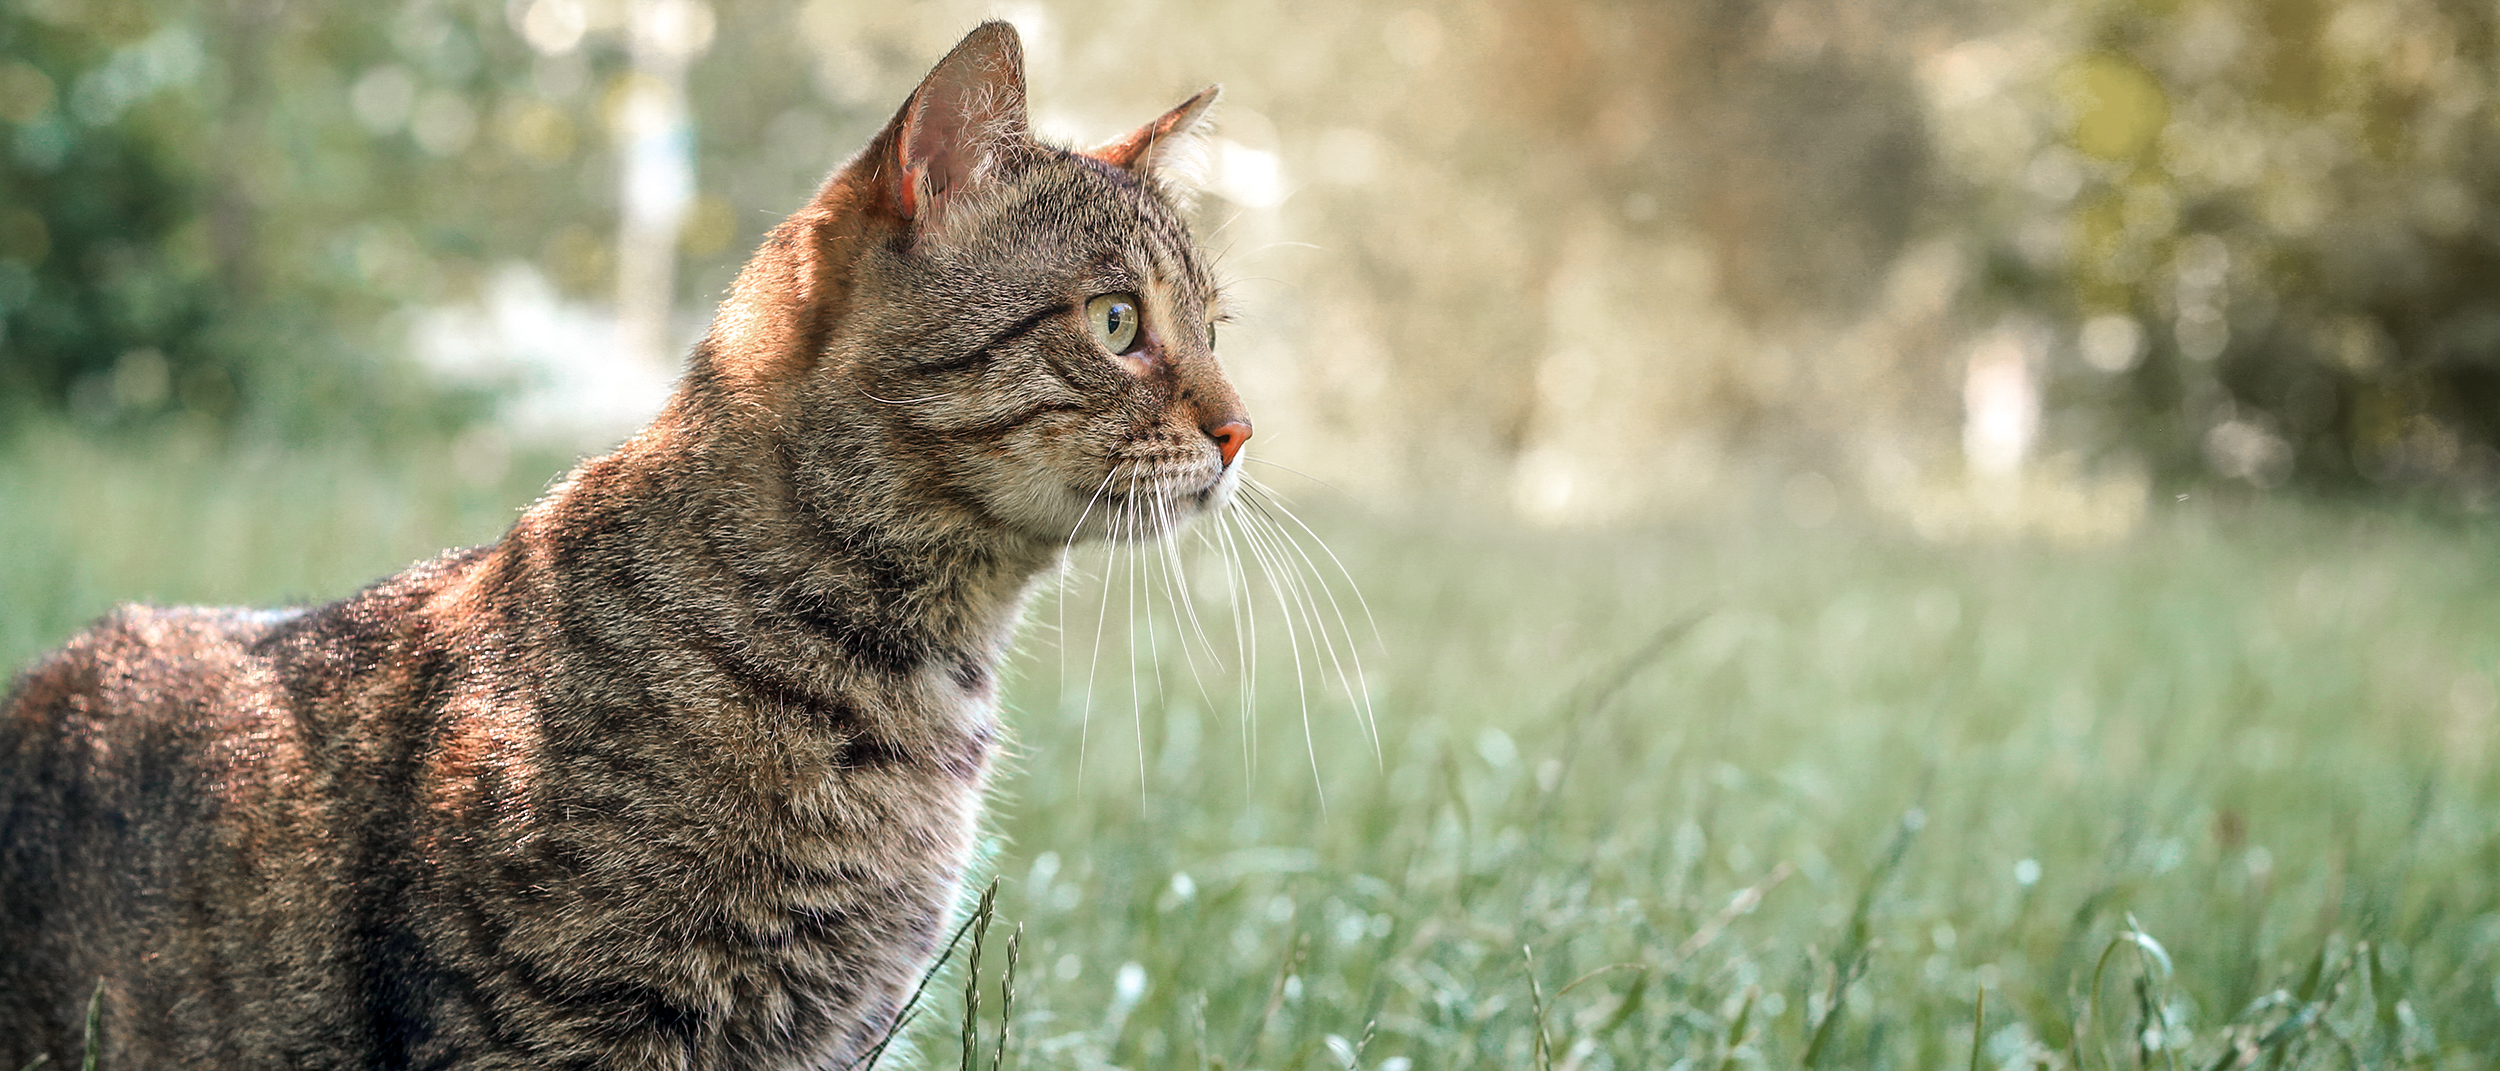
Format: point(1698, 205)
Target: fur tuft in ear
point(966, 113)
point(1172, 150)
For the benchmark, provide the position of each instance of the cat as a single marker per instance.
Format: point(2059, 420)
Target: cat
point(684, 771)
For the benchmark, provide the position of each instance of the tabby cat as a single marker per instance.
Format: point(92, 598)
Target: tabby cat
point(682, 772)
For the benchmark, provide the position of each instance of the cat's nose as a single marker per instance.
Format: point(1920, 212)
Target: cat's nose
point(1228, 437)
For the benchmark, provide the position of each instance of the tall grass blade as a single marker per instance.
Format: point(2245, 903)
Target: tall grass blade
point(981, 916)
point(911, 1004)
point(1850, 960)
point(1978, 1027)
point(95, 1027)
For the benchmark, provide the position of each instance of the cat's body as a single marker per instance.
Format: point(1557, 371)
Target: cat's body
point(684, 771)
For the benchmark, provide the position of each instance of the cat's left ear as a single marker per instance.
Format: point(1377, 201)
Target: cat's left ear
point(1171, 149)
point(966, 113)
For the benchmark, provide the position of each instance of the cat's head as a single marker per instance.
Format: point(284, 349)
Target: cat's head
point(968, 322)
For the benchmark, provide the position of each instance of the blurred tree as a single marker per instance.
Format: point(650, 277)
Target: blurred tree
point(215, 208)
point(162, 196)
point(108, 283)
point(2253, 239)
point(2282, 255)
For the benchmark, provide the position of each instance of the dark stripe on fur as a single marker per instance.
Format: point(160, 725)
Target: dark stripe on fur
point(991, 429)
point(776, 692)
point(986, 350)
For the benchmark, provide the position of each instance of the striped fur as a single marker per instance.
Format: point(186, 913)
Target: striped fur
point(684, 771)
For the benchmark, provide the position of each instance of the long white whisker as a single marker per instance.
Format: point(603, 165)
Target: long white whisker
point(1245, 635)
point(1356, 691)
point(1136, 696)
point(1272, 568)
point(1325, 643)
point(1297, 472)
point(1180, 600)
point(1090, 503)
point(1102, 618)
point(1265, 508)
point(1306, 607)
point(1184, 605)
point(1269, 496)
point(1065, 555)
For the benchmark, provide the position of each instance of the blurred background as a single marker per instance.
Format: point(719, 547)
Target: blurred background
point(1976, 266)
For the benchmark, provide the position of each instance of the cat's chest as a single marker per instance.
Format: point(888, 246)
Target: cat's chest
point(768, 839)
point(783, 790)
point(895, 772)
point(853, 851)
point(917, 788)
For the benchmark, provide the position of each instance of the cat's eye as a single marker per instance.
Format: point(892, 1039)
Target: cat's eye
point(1115, 320)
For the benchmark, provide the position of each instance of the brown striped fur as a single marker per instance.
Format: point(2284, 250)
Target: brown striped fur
point(684, 771)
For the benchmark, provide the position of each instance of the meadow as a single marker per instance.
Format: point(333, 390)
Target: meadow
point(1709, 795)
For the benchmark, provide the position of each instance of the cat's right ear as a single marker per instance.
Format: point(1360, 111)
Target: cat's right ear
point(1171, 149)
point(953, 130)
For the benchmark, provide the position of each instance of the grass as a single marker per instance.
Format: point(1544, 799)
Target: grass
point(1705, 797)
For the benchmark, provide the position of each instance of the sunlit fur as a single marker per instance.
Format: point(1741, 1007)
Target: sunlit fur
point(684, 771)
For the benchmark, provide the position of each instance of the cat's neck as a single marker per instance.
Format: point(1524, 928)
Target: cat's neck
point(823, 563)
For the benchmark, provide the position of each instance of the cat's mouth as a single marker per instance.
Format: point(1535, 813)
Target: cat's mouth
point(1147, 500)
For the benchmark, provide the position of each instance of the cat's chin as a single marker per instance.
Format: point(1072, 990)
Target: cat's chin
point(1149, 514)
point(1121, 507)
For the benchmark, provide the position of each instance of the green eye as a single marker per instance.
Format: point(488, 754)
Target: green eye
point(1115, 320)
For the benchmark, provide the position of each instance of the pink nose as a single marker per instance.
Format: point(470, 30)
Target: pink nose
point(1228, 437)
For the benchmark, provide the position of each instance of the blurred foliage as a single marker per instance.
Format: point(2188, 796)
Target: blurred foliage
point(2281, 244)
point(1609, 246)
point(209, 210)
point(2243, 238)
point(1621, 236)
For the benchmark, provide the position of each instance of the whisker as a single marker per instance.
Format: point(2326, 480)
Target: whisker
point(1136, 698)
point(1304, 607)
point(1298, 472)
point(1245, 635)
point(1176, 573)
point(1102, 618)
point(1064, 557)
point(1269, 496)
point(1271, 567)
point(1255, 530)
point(1326, 644)
point(1184, 605)
point(1358, 693)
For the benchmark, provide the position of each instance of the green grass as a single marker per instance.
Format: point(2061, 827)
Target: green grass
point(1701, 797)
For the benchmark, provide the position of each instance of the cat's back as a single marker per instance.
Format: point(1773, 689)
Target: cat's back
point(117, 715)
point(118, 752)
point(183, 690)
point(168, 790)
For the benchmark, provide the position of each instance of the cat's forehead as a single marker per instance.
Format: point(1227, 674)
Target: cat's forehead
point(1093, 215)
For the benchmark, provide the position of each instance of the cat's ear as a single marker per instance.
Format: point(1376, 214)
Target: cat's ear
point(1171, 149)
point(939, 147)
point(966, 113)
